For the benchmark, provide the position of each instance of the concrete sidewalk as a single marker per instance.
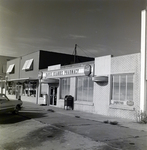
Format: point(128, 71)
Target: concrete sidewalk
point(96, 117)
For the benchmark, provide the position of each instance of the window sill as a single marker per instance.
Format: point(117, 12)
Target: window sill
point(123, 107)
point(84, 103)
point(81, 102)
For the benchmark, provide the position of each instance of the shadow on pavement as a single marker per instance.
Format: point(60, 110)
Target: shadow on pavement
point(9, 118)
point(31, 115)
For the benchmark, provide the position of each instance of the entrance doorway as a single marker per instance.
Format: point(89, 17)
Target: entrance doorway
point(53, 95)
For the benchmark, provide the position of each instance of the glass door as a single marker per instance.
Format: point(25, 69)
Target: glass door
point(53, 95)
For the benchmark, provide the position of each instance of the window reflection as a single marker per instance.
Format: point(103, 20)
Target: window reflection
point(65, 87)
point(122, 87)
point(84, 89)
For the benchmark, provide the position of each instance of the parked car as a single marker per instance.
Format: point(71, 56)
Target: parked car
point(7, 105)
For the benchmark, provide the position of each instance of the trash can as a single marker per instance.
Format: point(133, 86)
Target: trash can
point(69, 101)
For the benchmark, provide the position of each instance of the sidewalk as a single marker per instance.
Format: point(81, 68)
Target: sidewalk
point(96, 117)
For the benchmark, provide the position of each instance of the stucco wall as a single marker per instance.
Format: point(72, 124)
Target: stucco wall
point(101, 94)
point(108, 66)
point(33, 73)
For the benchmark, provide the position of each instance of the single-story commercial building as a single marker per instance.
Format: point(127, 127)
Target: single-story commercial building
point(108, 85)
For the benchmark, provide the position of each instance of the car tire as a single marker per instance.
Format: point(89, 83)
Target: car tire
point(17, 108)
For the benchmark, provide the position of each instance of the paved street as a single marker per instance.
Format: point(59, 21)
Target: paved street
point(49, 128)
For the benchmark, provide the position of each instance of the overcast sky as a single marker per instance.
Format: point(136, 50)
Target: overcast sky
point(98, 27)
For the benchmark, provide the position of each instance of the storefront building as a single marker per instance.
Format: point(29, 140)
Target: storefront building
point(107, 86)
point(22, 72)
point(114, 86)
point(74, 80)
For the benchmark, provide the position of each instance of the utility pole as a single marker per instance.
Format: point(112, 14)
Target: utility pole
point(75, 53)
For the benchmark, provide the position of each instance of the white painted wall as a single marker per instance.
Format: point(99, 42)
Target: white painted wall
point(101, 94)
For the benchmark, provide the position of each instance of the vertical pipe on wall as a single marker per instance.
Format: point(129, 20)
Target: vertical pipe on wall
point(143, 57)
point(37, 91)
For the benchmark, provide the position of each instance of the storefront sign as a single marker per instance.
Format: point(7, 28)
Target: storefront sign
point(87, 70)
point(115, 102)
point(118, 102)
point(66, 72)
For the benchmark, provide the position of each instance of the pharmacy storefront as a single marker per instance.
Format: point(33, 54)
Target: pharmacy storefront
point(74, 80)
point(108, 86)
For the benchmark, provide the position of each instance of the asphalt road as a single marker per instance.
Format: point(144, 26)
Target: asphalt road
point(40, 129)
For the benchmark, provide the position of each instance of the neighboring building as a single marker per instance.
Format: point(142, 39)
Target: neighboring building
point(3, 64)
point(22, 72)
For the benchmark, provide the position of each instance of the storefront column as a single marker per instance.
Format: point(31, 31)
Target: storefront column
point(73, 87)
point(38, 91)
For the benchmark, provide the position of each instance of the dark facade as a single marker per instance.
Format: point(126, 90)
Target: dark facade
point(47, 58)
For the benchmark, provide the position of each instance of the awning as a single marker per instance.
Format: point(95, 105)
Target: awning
point(100, 79)
point(50, 80)
point(10, 68)
point(27, 64)
point(22, 79)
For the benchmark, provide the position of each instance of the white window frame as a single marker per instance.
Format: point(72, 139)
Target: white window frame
point(124, 102)
point(61, 86)
point(82, 78)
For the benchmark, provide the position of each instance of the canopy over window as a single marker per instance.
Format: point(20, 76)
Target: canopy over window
point(100, 79)
point(27, 64)
point(10, 68)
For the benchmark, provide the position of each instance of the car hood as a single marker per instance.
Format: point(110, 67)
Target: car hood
point(16, 101)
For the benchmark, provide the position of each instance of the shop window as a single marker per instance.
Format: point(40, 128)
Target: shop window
point(11, 88)
point(28, 65)
point(84, 89)
point(30, 88)
point(122, 88)
point(65, 87)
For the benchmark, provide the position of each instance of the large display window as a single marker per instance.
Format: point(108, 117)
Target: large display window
point(122, 88)
point(65, 87)
point(84, 89)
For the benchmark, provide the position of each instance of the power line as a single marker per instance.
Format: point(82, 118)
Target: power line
point(93, 55)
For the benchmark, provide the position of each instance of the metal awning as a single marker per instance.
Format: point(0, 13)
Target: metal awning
point(50, 80)
point(27, 64)
point(10, 68)
point(22, 79)
point(100, 79)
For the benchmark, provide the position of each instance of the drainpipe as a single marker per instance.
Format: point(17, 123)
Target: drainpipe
point(6, 79)
point(40, 74)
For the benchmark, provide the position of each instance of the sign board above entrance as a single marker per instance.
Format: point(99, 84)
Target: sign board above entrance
point(66, 72)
